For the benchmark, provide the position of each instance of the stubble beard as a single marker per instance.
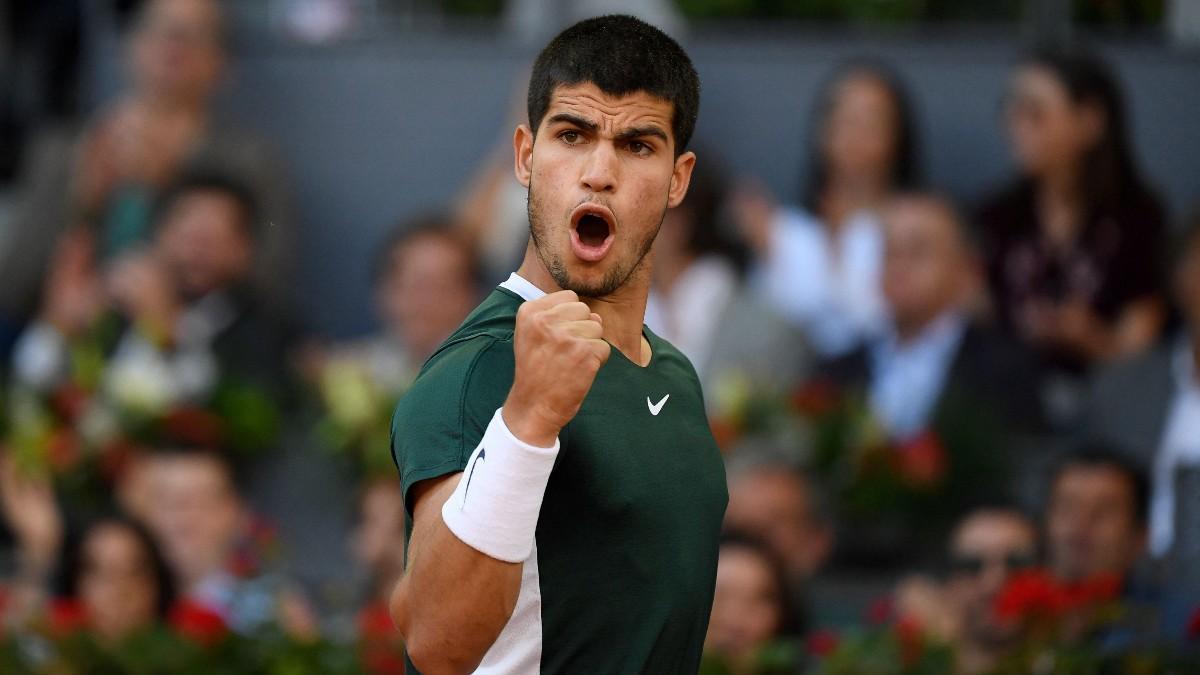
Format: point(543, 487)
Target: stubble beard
point(616, 277)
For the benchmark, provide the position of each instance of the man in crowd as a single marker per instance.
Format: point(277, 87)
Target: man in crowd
point(935, 360)
point(186, 319)
point(161, 125)
point(215, 548)
point(1096, 517)
point(987, 546)
point(1160, 426)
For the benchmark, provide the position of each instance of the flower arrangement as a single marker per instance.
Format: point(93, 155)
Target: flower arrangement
point(192, 641)
point(885, 644)
point(84, 429)
point(357, 414)
point(1077, 628)
point(880, 485)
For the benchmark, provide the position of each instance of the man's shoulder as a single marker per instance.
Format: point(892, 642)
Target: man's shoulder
point(479, 354)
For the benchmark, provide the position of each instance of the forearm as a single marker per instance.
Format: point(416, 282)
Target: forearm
point(472, 533)
point(453, 601)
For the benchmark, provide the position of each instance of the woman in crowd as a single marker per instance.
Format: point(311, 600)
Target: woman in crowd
point(1074, 240)
point(818, 265)
point(750, 607)
point(115, 581)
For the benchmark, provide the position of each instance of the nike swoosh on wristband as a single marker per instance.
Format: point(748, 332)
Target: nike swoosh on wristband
point(482, 452)
point(656, 408)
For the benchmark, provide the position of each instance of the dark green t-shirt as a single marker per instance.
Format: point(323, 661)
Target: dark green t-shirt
point(625, 552)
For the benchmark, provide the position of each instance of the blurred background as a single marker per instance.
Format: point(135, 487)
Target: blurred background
point(939, 271)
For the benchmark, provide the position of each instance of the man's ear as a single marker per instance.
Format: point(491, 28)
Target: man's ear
point(523, 154)
point(681, 178)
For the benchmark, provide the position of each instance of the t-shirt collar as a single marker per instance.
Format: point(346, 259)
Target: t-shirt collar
point(522, 287)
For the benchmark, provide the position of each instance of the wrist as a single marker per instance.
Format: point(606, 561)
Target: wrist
point(528, 425)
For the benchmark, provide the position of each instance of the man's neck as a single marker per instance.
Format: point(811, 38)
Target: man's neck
point(623, 311)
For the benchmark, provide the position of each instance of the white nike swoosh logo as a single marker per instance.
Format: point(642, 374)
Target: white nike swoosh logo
point(656, 408)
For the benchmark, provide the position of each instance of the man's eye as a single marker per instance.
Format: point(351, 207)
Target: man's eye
point(639, 148)
point(570, 137)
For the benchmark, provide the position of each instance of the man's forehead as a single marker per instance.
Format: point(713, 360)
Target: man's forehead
point(589, 101)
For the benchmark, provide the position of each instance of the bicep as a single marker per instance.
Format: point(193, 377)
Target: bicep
point(428, 496)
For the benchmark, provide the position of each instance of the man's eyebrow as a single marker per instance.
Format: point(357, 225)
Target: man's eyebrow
point(651, 130)
point(578, 121)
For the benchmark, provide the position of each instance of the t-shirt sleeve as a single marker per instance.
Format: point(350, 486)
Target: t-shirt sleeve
point(441, 419)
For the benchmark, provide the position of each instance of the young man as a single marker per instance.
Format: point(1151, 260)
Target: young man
point(565, 493)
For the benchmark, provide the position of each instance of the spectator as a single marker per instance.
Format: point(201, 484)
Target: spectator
point(986, 547)
point(378, 540)
point(158, 127)
point(934, 362)
point(118, 577)
point(1163, 419)
point(775, 502)
point(32, 515)
point(750, 604)
point(1096, 528)
point(1096, 517)
point(818, 266)
point(197, 513)
point(1074, 241)
point(698, 303)
point(192, 322)
point(426, 282)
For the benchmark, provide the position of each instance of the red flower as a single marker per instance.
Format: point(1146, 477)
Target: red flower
point(197, 622)
point(68, 401)
point(921, 461)
point(382, 650)
point(66, 616)
point(375, 623)
point(880, 611)
point(116, 456)
point(822, 643)
point(816, 398)
point(911, 636)
point(194, 426)
point(62, 450)
point(1193, 627)
point(1091, 592)
point(1035, 593)
point(383, 662)
point(724, 433)
point(1028, 593)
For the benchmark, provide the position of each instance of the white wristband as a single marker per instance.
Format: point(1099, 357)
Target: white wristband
point(495, 507)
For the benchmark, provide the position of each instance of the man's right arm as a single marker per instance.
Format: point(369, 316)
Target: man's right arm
point(453, 600)
point(465, 555)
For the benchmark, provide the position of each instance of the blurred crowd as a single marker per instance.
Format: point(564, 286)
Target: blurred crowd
point(969, 426)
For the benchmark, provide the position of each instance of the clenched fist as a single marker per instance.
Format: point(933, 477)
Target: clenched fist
point(558, 352)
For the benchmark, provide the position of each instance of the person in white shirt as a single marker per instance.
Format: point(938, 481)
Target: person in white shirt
point(818, 265)
point(1149, 405)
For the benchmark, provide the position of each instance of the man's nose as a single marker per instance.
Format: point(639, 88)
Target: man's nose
point(600, 172)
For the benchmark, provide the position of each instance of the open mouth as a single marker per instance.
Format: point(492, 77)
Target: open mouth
point(591, 232)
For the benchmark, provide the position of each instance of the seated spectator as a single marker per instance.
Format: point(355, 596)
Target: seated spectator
point(115, 577)
point(697, 301)
point(378, 540)
point(1096, 517)
point(1073, 243)
point(750, 605)
point(775, 502)
point(935, 362)
point(187, 321)
point(818, 266)
point(426, 282)
point(1163, 419)
point(157, 127)
point(1097, 529)
point(986, 547)
point(208, 536)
